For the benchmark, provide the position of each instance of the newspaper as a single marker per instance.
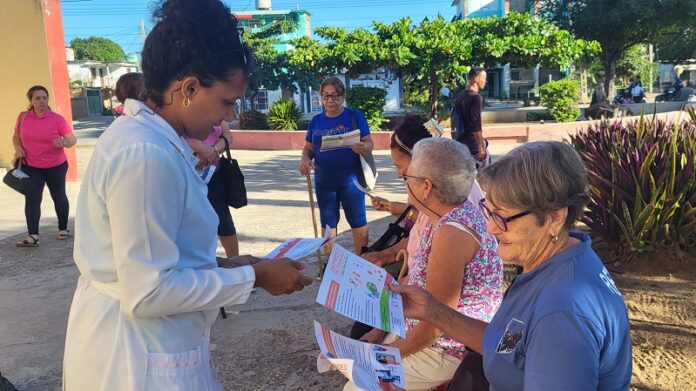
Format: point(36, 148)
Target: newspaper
point(371, 367)
point(298, 248)
point(359, 290)
point(338, 141)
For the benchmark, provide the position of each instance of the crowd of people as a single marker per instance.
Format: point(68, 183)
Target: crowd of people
point(148, 221)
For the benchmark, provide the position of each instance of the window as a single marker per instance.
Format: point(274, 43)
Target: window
point(262, 100)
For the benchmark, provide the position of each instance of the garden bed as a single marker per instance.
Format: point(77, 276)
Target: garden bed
point(271, 140)
point(659, 292)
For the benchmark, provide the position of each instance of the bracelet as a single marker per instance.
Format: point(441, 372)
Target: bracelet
point(217, 152)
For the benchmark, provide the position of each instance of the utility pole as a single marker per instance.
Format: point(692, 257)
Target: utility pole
point(142, 30)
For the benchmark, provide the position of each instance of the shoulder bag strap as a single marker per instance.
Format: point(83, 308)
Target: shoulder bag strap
point(353, 120)
point(227, 147)
point(404, 214)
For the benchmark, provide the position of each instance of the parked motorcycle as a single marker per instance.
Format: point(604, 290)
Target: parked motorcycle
point(623, 97)
point(672, 94)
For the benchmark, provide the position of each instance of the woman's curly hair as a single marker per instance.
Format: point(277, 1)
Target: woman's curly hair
point(192, 37)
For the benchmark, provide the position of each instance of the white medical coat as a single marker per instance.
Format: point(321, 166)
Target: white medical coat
point(149, 286)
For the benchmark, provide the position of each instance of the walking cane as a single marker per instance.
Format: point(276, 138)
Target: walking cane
point(320, 262)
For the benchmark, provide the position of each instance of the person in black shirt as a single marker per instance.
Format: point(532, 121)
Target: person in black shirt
point(470, 105)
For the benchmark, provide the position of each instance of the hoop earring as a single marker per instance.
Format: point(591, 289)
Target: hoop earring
point(187, 102)
point(554, 239)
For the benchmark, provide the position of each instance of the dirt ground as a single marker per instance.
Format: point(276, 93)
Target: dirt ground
point(659, 290)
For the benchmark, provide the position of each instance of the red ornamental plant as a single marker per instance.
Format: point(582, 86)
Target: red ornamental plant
point(643, 182)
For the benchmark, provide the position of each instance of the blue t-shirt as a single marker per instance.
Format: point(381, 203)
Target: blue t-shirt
point(335, 168)
point(563, 326)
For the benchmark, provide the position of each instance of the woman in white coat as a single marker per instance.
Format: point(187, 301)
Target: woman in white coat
point(150, 284)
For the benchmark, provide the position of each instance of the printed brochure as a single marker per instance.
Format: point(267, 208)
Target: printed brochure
point(359, 290)
point(371, 367)
point(298, 248)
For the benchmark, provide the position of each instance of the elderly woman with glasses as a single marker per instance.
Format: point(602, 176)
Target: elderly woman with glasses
point(563, 324)
point(335, 139)
point(456, 260)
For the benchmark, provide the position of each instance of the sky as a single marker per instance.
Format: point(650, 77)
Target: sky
point(120, 20)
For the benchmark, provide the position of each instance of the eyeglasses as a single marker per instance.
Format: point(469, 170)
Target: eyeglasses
point(406, 176)
point(500, 221)
point(332, 97)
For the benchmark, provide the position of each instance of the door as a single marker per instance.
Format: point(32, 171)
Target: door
point(94, 103)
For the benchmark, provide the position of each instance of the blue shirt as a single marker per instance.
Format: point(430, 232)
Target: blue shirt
point(336, 168)
point(563, 326)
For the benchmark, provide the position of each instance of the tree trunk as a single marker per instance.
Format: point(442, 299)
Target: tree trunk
point(434, 94)
point(609, 65)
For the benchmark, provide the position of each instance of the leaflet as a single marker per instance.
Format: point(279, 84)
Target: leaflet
point(359, 290)
point(371, 367)
point(338, 141)
point(434, 127)
point(362, 189)
point(298, 248)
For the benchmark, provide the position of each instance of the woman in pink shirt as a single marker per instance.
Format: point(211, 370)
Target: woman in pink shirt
point(40, 139)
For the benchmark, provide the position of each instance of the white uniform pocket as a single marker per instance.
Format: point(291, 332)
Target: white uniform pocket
point(175, 371)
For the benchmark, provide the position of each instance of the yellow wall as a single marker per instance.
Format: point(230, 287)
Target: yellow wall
point(23, 63)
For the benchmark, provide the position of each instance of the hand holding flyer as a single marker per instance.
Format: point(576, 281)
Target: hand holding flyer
point(338, 141)
point(298, 248)
point(360, 290)
point(371, 367)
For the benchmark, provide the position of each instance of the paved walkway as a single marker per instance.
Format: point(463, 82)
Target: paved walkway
point(266, 344)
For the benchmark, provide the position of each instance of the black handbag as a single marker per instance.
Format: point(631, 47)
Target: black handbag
point(392, 236)
point(234, 179)
point(18, 180)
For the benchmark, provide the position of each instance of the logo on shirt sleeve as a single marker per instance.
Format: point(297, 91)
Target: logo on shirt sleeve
point(513, 335)
point(608, 281)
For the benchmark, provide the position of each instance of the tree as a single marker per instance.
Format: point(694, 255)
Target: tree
point(619, 25)
point(97, 49)
point(678, 47)
point(272, 69)
point(439, 52)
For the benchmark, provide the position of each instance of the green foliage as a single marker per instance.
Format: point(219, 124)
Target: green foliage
point(439, 52)
point(643, 182)
point(273, 70)
point(618, 25)
point(284, 115)
point(560, 98)
point(536, 116)
point(369, 101)
point(253, 120)
point(97, 49)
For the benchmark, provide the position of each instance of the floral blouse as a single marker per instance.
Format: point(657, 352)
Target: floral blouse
point(483, 277)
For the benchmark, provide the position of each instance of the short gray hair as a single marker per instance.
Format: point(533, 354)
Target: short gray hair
point(448, 165)
point(540, 177)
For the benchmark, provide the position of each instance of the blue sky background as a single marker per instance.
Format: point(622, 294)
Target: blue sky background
point(120, 20)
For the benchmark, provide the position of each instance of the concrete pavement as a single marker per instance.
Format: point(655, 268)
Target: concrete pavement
point(265, 344)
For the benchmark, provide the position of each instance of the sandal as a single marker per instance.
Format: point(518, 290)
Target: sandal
point(63, 235)
point(30, 241)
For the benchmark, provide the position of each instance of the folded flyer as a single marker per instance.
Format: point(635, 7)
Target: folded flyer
point(362, 189)
point(338, 141)
point(371, 367)
point(298, 248)
point(359, 290)
point(434, 127)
